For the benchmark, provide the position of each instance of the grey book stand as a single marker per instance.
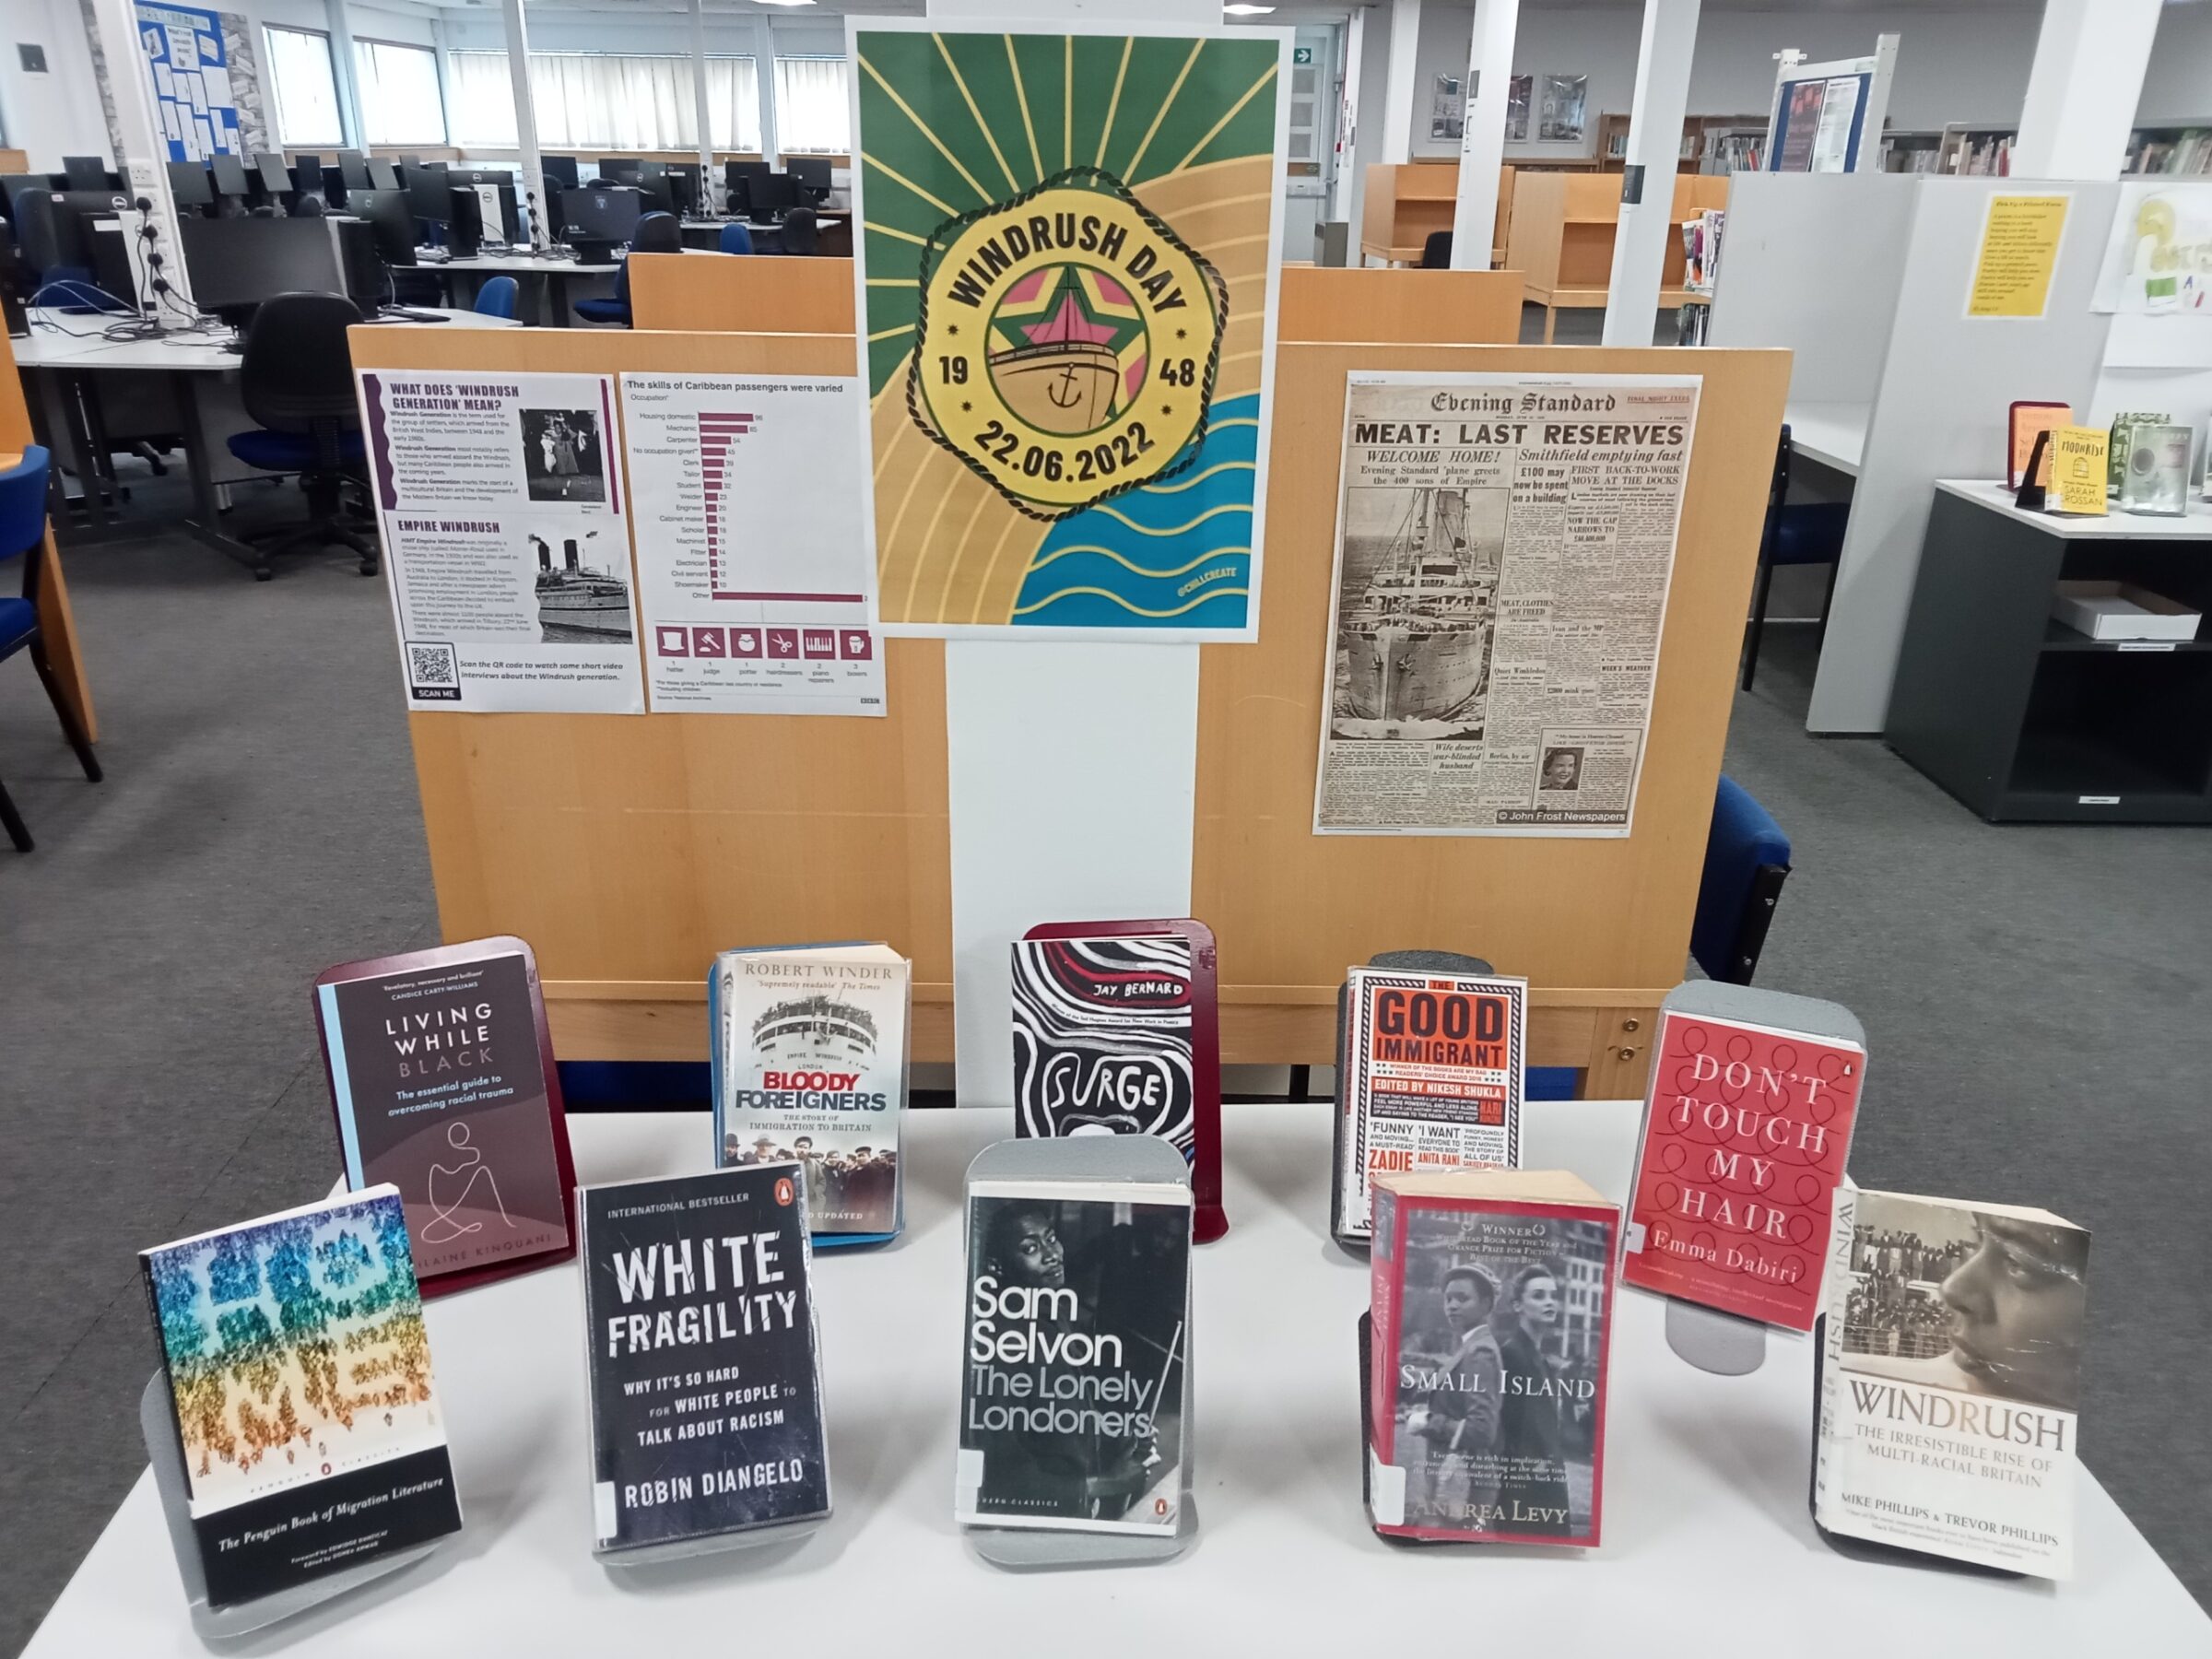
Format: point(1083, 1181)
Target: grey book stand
point(1101, 1157)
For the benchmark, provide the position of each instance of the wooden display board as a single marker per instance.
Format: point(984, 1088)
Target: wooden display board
point(742, 292)
point(629, 850)
point(1405, 202)
point(56, 621)
point(1562, 238)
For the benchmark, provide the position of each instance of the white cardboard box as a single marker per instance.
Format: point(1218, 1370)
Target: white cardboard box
point(2121, 610)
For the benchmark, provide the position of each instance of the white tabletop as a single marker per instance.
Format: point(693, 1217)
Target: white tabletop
point(1706, 1528)
point(82, 346)
point(2116, 526)
point(517, 263)
point(1834, 434)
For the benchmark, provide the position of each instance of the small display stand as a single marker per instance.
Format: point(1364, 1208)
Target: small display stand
point(1725, 1344)
point(1106, 1159)
point(165, 1453)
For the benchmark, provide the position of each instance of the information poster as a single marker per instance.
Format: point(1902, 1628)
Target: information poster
point(2020, 251)
point(1504, 546)
point(755, 587)
point(2158, 261)
point(501, 511)
point(1067, 267)
point(198, 109)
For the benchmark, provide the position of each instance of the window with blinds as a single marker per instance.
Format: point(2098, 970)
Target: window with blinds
point(596, 101)
point(397, 89)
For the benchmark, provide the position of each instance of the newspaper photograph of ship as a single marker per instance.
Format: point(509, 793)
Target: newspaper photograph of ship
point(577, 602)
point(1416, 611)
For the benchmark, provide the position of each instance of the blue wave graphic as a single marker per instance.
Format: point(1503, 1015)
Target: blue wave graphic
point(1173, 555)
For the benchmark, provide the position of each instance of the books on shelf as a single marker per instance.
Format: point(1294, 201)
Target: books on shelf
point(442, 1074)
point(706, 1402)
point(1429, 1081)
point(810, 1066)
point(1746, 1133)
point(1072, 1395)
point(1492, 1299)
point(2170, 151)
point(300, 1381)
point(1950, 1379)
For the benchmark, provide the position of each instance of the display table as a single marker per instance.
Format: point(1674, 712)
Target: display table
point(2027, 720)
point(1832, 434)
point(1705, 1522)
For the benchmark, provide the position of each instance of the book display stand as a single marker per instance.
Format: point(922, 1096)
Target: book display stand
point(165, 1453)
point(1108, 1159)
point(1725, 1344)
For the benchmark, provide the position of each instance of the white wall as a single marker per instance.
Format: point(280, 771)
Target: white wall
point(1953, 65)
point(56, 113)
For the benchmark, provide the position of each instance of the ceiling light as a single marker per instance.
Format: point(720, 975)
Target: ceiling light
point(1242, 9)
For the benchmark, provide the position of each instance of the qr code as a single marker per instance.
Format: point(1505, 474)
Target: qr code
point(433, 673)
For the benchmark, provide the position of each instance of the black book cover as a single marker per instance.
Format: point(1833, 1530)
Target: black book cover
point(706, 1395)
point(1071, 1379)
point(1102, 1038)
point(300, 1381)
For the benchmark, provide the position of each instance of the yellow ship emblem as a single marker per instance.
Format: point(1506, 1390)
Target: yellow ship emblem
point(1068, 344)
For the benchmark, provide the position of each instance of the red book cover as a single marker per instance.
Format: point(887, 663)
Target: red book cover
point(1492, 1323)
point(1745, 1138)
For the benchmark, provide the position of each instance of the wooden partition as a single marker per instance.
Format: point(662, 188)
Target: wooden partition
point(1318, 302)
point(55, 621)
point(14, 161)
point(628, 850)
point(738, 293)
point(1561, 237)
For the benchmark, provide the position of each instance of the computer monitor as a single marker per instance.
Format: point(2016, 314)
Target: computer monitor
point(55, 226)
point(812, 173)
point(388, 213)
point(235, 265)
point(110, 245)
point(360, 265)
point(685, 186)
point(619, 169)
point(15, 184)
point(229, 173)
point(483, 211)
point(382, 175)
point(604, 212)
point(274, 177)
point(191, 185)
point(561, 168)
point(428, 193)
point(651, 177)
point(334, 187)
point(306, 176)
point(84, 173)
point(353, 167)
point(772, 197)
point(737, 178)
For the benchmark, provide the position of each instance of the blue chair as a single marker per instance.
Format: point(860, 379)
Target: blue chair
point(496, 297)
point(736, 239)
point(23, 535)
point(1747, 860)
point(655, 233)
point(296, 380)
point(1808, 533)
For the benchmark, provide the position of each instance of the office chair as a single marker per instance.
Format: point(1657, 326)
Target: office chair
point(1808, 533)
point(1436, 253)
point(1747, 860)
point(800, 235)
point(23, 535)
point(736, 239)
point(655, 233)
point(297, 381)
point(496, 297)
point(309, 206)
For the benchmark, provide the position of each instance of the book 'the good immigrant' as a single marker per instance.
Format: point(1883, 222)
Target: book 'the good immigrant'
point(1072, 1402)
point(1950, 1379)
point(299, 1378)
point(1745, 1138)
point(705, 1389)
point(442, 1074)
point(1431, 1081)
point(810, 1066)
point(1492, 1299)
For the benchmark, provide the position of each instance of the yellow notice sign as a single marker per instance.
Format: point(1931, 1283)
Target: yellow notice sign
point(2019, 248)
point(2077, 471)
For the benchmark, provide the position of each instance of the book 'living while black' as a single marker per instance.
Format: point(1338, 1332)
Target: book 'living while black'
point(299, 1379)
point(705, 1388)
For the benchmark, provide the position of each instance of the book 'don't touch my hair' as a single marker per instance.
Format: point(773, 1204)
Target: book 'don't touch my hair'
point(705, 1388)
point(1492, 1299)
point(810, 1066)
point(1746, 1133)
point(1072, 1397)
point(442, 1074)
point(1949, 1358)
point(299, 1380)
point(1431, 1081)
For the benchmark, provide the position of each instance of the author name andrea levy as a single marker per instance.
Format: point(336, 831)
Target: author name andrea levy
point(712, 1483)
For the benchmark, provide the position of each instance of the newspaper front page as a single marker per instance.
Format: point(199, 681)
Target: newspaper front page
point(1503, 548)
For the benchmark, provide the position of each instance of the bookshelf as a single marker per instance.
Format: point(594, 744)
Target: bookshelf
point(1975, 151)
point(1918, 151)
point(1700, 135)
point(2181, 147)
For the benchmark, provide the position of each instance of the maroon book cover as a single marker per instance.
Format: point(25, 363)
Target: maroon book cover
point(443, 1082)
point(1117, 1028)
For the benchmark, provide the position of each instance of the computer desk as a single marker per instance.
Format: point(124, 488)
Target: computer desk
point(555, 273)
point(767, 238)
point(202, 379)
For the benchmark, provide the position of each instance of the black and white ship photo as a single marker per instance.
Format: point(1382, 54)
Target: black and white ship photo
point(563, 457)
point(582, 585)
point(1416, 611)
